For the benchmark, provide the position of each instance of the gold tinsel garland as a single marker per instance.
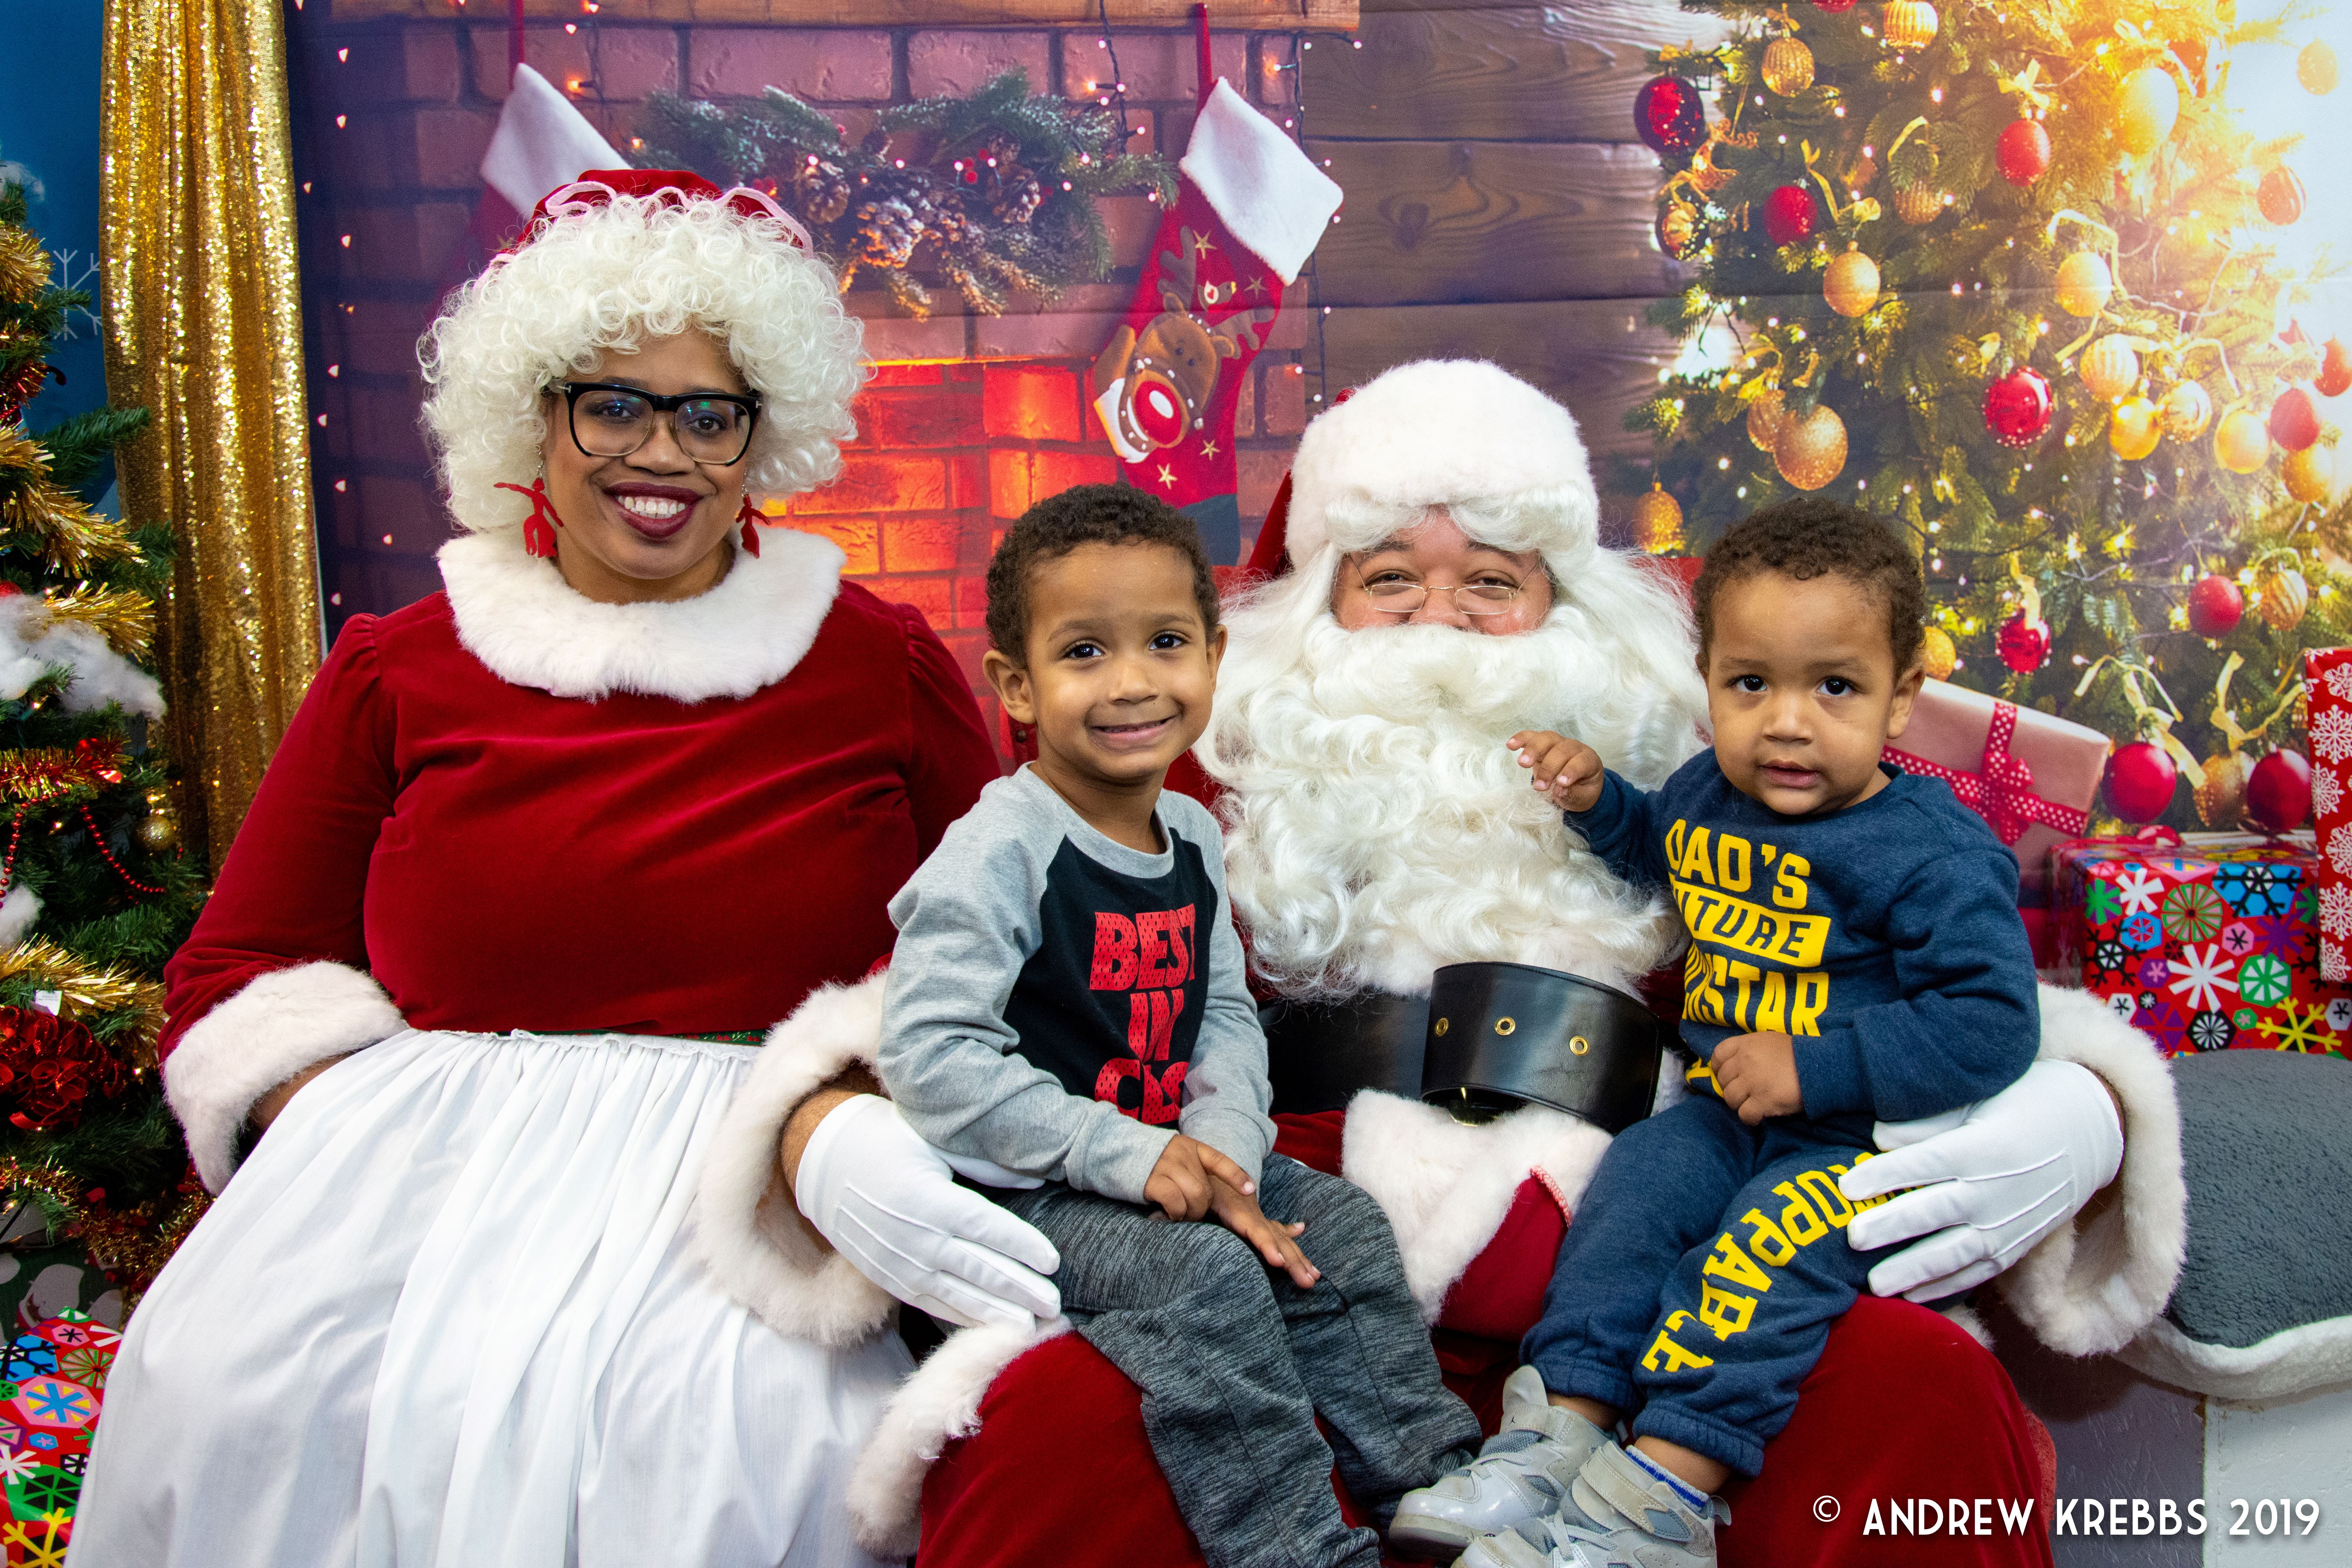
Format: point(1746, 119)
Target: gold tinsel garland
point(39, 774)
point(53, 521)
point(125, 619)
point(131, 1244)
point(85, 990)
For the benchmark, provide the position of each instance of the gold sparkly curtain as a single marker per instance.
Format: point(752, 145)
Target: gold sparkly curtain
point(204, 328)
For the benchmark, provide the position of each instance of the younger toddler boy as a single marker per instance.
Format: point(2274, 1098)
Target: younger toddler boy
point(1067, 999)
point(1856, 955)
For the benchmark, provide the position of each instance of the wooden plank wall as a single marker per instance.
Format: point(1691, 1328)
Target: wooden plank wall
point(1498, 204)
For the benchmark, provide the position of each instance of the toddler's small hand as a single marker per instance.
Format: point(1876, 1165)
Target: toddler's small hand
point(1569, 772)
point(1758, 1075)
point(1183, 1182)
point(1238, 1212)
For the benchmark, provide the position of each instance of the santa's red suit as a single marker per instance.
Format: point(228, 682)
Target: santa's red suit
point(1376, 828)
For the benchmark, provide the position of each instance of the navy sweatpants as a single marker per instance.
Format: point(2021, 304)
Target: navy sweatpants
point(1701, 1275)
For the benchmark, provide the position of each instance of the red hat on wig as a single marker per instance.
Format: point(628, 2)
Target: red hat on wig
point(670, 187)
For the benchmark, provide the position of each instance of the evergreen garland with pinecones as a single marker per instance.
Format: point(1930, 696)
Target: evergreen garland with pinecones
point(991, 192)
point(2007, 275)
point(95, 893)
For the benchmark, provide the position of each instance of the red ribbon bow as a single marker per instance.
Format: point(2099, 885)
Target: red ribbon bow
point(2002, 791)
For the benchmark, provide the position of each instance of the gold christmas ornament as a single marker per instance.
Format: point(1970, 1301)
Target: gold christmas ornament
point(1936, 654)
point(2084, 284)
point(1850, 283)
point(2133, 428)
point(1909, 25)
point(2188, 409)
point(1919, 204)
point(1788, 67)
point(2222, 798)
point(2316, 68)
point(2242, 443)
point(159, 831)
point(1679, 226)
point(1764, 412)
point(2109, 366)
point(1658, 521)
point(2309, 474)
point(2280, 597)
point(2146, 109)
point(1811, 449)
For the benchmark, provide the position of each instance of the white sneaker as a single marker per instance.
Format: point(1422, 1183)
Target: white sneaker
point(1521, 1474)
point(1616, 1515)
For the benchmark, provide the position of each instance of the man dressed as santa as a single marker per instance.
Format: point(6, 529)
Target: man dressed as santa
point(1447, 588)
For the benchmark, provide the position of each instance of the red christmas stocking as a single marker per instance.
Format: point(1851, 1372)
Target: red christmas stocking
point(1249, 209)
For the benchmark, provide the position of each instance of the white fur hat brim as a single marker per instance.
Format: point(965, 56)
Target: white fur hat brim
point(1461, 434)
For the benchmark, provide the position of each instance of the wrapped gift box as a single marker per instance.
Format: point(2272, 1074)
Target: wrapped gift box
point(2208, 944)
point(2327, 691)
point(2031, 776)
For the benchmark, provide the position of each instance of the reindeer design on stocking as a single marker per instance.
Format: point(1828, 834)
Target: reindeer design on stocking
point(1154, 387)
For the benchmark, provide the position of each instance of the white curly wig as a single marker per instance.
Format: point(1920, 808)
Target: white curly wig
point(614, 277)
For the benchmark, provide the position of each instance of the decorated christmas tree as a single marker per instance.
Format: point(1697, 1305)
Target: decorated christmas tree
point(95, 894)
point(991, 192)
point(2009, 274)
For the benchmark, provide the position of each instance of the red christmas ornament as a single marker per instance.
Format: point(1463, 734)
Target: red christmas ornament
point(2140, 781)
point(2280, 196)
point(1833, 6)
point(2022, 153)
point(2335, 377)
point(1789, 215)
point(1669, 118)
point(2215, 607)
point(2278, 795)
point(2016, 407)
point(2023, 645)
point(51, 1067)
point(2295, 420)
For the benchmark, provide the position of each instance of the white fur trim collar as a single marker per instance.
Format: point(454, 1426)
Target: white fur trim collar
point(516, 614)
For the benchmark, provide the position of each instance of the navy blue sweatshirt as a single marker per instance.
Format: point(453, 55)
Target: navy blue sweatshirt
point(1883, 938)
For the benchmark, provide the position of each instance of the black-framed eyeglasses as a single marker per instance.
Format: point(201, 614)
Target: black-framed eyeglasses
point(609, 420)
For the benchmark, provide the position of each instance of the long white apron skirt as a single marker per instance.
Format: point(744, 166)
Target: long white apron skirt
point(444, 1317)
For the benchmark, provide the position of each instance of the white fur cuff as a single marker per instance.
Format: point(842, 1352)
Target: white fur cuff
point(937, 1405)
point(280, 1023)
point(2087, 1288)
point(747, 1233)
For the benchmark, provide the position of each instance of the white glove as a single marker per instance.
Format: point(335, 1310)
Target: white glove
point(888, 1203)
point(1989, 1180)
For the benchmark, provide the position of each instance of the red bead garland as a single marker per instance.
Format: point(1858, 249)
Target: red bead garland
point(99, 839)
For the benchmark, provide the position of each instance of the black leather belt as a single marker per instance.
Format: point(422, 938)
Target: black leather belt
point(1318, 1054)
point(1488, 1038)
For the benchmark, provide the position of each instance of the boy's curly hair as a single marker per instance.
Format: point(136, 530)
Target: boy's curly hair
point(1085, 514)
point(1811, 536)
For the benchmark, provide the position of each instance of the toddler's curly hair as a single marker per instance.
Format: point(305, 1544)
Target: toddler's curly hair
point(1085, 514)
point(1811, 536)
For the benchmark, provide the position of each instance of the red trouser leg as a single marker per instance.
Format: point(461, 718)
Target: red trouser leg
point(1902, 1406)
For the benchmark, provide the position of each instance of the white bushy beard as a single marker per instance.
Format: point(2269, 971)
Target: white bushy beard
point(1377, 827)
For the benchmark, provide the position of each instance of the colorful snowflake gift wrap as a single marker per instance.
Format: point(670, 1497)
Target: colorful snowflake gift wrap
point(2209, 944)
point(2031, 776)
point(52, 1382)
point(2327, 688)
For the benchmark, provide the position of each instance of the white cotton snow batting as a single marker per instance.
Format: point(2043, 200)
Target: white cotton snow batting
point(18, 911)
point(32, 644)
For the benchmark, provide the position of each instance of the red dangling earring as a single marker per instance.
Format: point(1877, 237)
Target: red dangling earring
point(750, 516)
point(539, 529)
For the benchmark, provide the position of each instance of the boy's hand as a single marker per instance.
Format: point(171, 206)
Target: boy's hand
point(1568, 771)
point(1238, 1212)
point(1758, 1075)
point(1180, 1183)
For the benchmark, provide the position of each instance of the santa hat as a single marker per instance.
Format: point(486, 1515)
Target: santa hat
point(1461, 434)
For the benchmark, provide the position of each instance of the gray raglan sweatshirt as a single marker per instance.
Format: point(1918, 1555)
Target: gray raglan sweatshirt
point(1061, 1004)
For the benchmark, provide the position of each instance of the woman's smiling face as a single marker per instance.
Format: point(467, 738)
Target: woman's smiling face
point(654, 525)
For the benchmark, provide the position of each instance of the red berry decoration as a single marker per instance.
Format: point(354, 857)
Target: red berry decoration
point(2295, 420)
point(2140, 781)
point(2278, 795)
point(2022, 153)
point(2016, 407)
point(1669, 118)
point(2335, 377)
point(2280, 196)
point(1789, 215)
point(2023, 645)
point(2215, 607)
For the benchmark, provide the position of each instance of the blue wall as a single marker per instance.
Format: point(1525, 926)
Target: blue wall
point(48, 127)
